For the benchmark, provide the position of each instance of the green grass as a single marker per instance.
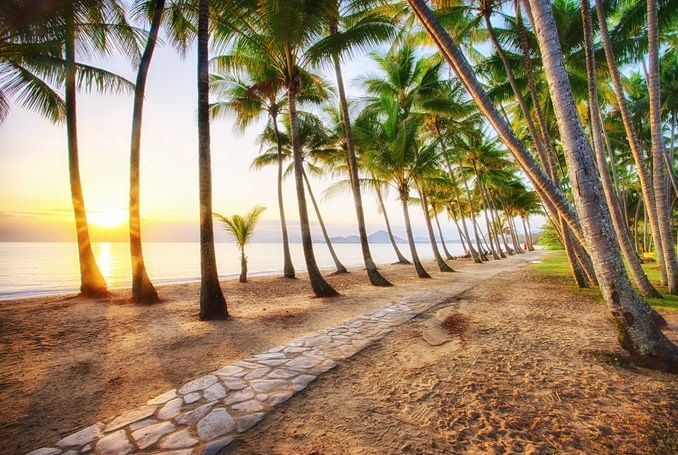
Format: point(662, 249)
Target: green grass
point(555, 264)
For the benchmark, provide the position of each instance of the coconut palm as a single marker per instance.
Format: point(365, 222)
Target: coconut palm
point(212, 302)
point(143, 290)
point(258, 92)
point(241, 229)
point(638, 332)
point(354, 25)
point(280, 35)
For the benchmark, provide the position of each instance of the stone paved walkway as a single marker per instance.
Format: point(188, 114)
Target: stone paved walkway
point(205, 414)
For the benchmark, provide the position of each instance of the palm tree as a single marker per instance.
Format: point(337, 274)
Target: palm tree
point(281, 34)
point(242, 228)
point(259, 92)
point(212, 302)
point(143, 290)
point(620, 227)
point(353, 25)
point(637, 328)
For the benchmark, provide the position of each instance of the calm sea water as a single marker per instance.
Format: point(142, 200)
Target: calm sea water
point(34, 269)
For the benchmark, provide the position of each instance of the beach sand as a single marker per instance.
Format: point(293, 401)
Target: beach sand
point(531, 369)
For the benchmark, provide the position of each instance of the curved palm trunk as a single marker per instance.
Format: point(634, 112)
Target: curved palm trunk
point(529, 246)
point(620, 228)
point(320, 286)
point(375, 277)
point(481, 251)
point(421, 272)
point(212, 302)
point(646, 188)
point(541, 182)
point(143, 290)
point(462, 238)
point(401, 259)
point(661, 194)
point(337, 263)
point(92, 283)
point(442, 265)
point(637, 328)
point(483, 200)
point(496, 225)
point(288, 267)
point(243, 265)
point(448, 256)
point(474, 254)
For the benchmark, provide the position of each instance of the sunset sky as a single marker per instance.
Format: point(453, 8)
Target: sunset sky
point(34, 191)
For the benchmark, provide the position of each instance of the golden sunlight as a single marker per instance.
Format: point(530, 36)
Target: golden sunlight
point(107, 219)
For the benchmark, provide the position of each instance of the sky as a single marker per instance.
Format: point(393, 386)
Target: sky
point(34, 191)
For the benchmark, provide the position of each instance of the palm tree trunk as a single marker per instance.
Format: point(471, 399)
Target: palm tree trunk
point(483, 200)
point(542, 183)
point(288, 267)
point(375, 277)
point(92, 283)
point(401, 259)
point(646, 188)
point(143, 290)
point(212, 302)
point(455, 189)
point(528, 237)
point(462, 238)
point(496, 225)
point(243, 265)
point(619, 225)
point(472, 208)
point(658, 151)
point(337, 263)
point(637, 329)
point(421, 272)
point(448, 256)
point(321, 287)
point(442, 265)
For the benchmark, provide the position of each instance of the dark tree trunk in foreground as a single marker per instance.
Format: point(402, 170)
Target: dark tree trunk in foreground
point(637, 328)
point(92, 283)
point(401, 259)
point(375, 277)
point(143, 290)
point(421, 272)
point(288, 267)
point(620, 228)
point(320, 286)
point(212, 302)
point(337, 263)
point(442, 265)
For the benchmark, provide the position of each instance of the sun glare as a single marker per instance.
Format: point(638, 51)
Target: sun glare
point(108, 219)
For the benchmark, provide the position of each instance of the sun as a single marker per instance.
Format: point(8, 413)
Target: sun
point(106, 219)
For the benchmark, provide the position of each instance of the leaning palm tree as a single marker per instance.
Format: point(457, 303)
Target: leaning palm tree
point(143, 290)
point(354, 25)
point(241, 229)
point(281, 34)
point(637, 327)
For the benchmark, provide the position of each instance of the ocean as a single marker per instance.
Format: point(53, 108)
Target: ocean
point(35, 269)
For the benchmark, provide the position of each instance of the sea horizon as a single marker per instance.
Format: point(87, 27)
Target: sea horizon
point(36, 269)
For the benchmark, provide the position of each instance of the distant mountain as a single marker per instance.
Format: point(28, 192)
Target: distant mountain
point(377, 237)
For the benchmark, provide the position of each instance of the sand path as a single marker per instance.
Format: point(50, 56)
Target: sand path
point(204, 414)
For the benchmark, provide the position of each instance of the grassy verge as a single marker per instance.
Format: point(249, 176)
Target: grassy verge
point(555, 265)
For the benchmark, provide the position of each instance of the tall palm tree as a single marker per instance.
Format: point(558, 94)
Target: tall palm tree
point(638, 331)
point(353, 25)
point(258, 92)
point(242, 228)
point(212, 302)
point(281, 34)
point(143, 290)
point(637, 328)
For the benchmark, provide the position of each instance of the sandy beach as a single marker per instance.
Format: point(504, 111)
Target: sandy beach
point(531, 358)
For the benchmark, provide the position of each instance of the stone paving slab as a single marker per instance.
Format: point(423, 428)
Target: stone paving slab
point(206, 414)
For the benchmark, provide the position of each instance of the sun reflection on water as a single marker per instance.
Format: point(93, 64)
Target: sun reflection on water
point(105, 259)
